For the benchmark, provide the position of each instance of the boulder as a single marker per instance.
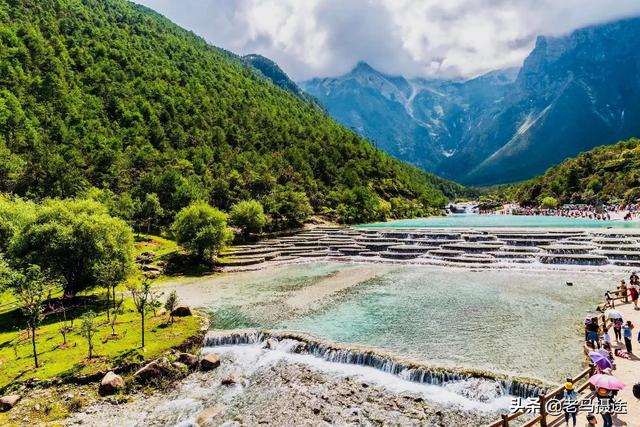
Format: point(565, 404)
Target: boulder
point(8, 402)
point(111, 383)
point(151, 269)
point(230, 380)
point(153, 370)
point(191, 360)
point(152, 274)
point(181, 311)
point(210, 416)
point(209, 362)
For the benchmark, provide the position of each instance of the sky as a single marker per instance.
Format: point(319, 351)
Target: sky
point(413, 38)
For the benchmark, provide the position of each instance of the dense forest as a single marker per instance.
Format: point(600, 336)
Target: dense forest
point(108, 95)
point(608, 174)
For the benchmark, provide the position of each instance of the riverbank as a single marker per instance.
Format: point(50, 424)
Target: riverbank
point(65, 370)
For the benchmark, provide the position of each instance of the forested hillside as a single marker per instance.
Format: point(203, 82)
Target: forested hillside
point(609, 174)
point(108, 94)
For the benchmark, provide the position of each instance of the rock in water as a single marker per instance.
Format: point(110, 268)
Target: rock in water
point(111, 383)
point(181, 311)
point(209, 362)
point(8, 402)
point(210, 416)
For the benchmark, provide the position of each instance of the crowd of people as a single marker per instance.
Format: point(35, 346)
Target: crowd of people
point(600, 213)
point(598, 342)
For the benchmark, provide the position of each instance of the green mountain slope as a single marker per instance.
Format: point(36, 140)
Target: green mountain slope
point(108, 94)
point(605, 174)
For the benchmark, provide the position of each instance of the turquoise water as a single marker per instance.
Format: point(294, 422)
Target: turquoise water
point(471, 220)
point(524, 323)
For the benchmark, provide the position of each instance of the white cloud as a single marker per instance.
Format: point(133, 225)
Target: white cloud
point(431, 38)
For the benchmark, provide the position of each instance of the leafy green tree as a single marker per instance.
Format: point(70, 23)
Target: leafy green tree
point(202, 229)
point(15, 214)
point(143, 297)
point(117, 310)
point(362, 205)
point(249, 216)
point(88, 329)
point(549, 203)
point(109, 274)
point(150, 212)
point(73, 239)
point(170, 304)
point(30, 286)
point(287, 207)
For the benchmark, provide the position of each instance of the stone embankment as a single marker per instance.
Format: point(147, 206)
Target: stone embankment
point(474, 247)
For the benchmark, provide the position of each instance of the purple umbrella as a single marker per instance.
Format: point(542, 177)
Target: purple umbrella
point(599, 360)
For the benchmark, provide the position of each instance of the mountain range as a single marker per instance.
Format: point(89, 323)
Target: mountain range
point(572, 93)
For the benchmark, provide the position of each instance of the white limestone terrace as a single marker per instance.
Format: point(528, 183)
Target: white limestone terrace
point(503, 247)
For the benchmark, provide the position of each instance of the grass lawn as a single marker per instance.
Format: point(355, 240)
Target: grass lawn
point(56, 359)
point(161, 246)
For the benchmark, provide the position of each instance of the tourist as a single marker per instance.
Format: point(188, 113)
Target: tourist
point(617, 329)
point(570, 400)
point(608, 301)
point(606, 339)
point(633, 291)
point(605, 398)
point(592, 335)
point(591, 420)
point(587, 322)
point(627, 333)
point(623, 289)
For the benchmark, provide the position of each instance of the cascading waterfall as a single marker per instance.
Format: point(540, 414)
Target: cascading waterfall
point(300, 343)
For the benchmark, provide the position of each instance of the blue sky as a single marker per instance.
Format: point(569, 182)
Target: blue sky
point(428, 38)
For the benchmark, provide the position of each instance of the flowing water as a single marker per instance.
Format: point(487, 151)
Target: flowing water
point(521, 322)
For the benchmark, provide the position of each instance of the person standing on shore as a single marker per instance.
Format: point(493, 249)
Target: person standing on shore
point(627, 333)
point(606, 338)
point(623, 289)
point(617, 329)
point(570, 403)
point(633, 291)
point(593, 339)
point(604, 401)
